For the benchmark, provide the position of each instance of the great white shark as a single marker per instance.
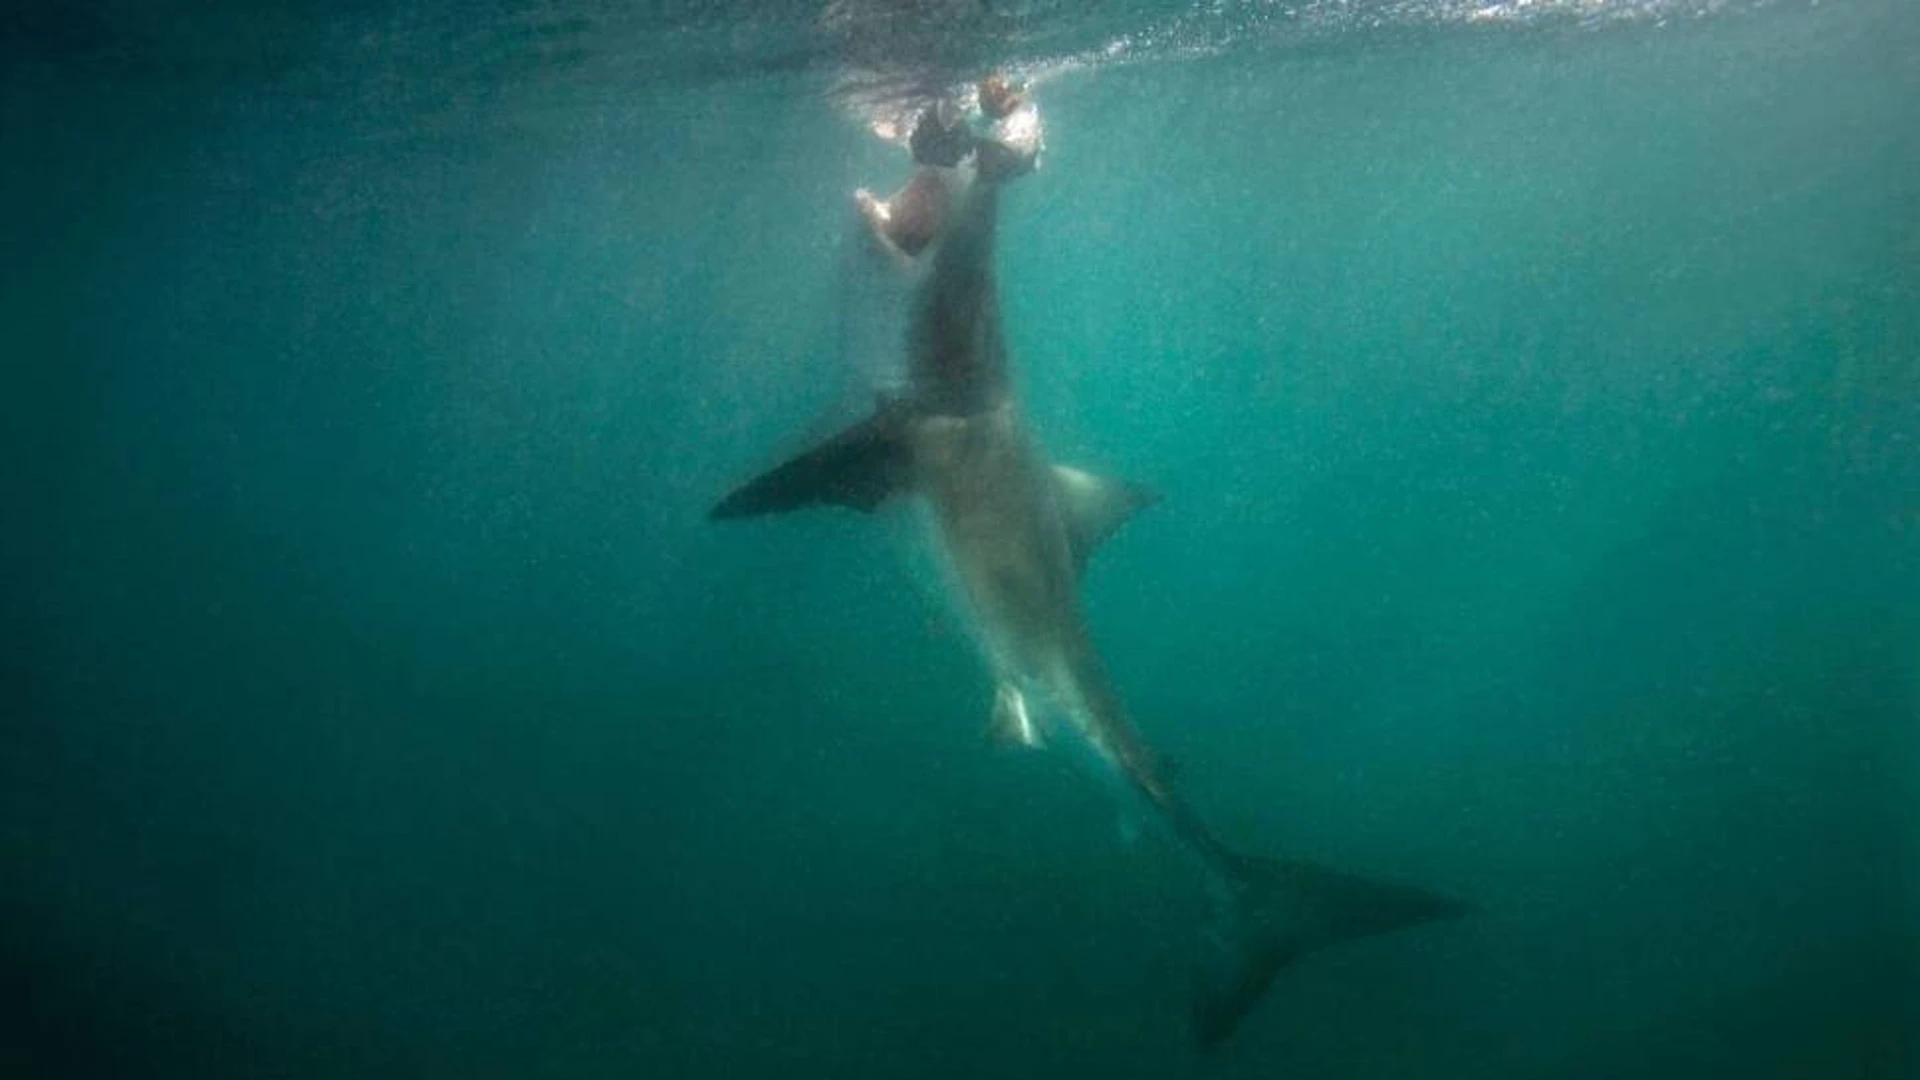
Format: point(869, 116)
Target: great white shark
point(1016, 532)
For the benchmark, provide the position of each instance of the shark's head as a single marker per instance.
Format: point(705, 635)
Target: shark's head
point(998, 97)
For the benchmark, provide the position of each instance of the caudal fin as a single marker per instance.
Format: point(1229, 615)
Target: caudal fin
point(1281, 910)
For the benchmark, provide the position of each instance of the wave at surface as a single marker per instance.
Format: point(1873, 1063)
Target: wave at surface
point(878, 58)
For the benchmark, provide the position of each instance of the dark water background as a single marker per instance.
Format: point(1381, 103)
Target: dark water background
point(1536, 403)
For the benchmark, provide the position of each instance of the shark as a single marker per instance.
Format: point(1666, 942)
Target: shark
point(1016, 531)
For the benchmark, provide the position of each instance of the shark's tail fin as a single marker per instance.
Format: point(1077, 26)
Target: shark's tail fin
point(1277, 911)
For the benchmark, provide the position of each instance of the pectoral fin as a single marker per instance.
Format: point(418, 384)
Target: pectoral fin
point(858, 468)
point(1012, 723)
point(1096, 506)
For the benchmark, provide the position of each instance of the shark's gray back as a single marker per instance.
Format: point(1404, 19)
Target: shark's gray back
point(957, 349)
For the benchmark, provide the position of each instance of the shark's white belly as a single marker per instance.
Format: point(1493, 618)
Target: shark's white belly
point(998, 523)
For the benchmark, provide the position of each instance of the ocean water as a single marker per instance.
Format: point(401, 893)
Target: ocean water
point(1533, 390)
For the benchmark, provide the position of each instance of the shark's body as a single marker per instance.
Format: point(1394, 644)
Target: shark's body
point(1016, 533)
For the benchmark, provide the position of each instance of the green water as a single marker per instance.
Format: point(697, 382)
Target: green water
point(1537, 414)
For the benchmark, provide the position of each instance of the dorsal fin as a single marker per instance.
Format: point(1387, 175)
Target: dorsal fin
point(1096, 506)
